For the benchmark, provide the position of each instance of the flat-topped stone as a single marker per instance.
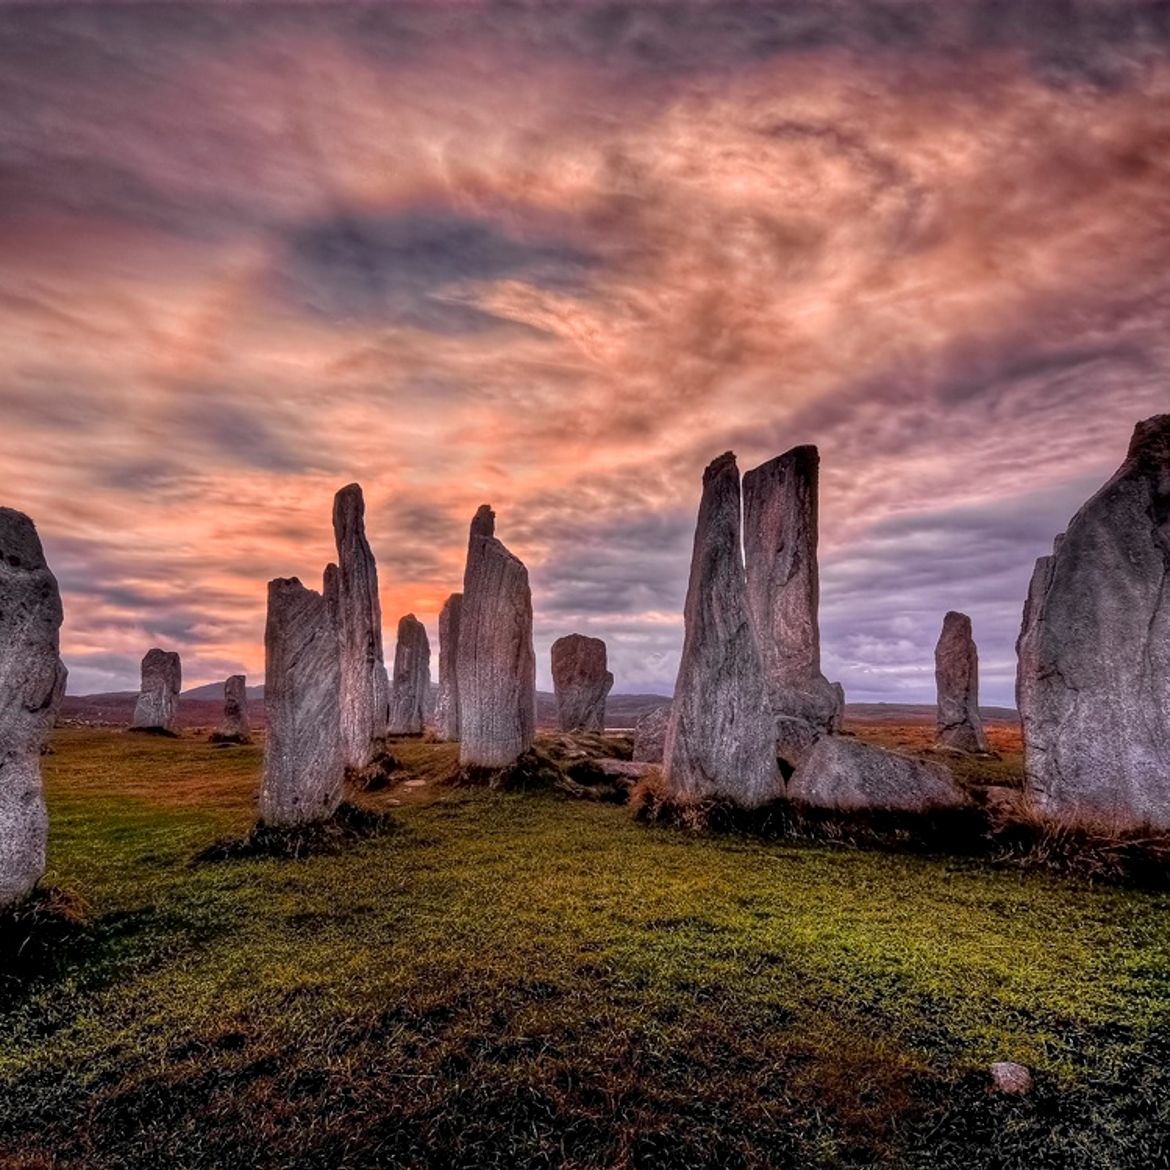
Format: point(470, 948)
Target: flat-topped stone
point(157, 708)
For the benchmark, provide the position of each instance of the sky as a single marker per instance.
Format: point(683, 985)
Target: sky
point(557, 257)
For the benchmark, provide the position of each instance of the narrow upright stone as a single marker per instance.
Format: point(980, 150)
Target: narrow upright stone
point(1093, 687)
point(32, 682)
point(304, 765)
point(721, 738)
point(411, 691)
point(447, 705)
point(650, 735)
point(236, 727)
point(783, 590)
point(496, 663)
point(353, 590)
point(581, 682)
point(838, 724)
point(956, 671)
point(157, 708)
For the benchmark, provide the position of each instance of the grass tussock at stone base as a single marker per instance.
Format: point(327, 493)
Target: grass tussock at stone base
point(1008, 836)
point(349, 824)
point(34, 933)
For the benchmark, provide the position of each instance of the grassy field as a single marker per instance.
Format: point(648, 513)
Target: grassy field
point(522, 980)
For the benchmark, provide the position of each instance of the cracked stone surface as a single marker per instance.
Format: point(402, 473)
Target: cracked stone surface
point(32, 683)
point(956, 672)
point(411, 690)
point(650, 735)
point(581, 682)
point(447, 703)
point(157, 707)
point(1093, 686)
point(235, 726)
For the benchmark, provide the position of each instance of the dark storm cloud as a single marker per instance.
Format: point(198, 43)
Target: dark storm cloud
point(404, 268)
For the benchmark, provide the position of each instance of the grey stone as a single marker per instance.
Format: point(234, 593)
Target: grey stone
point(625, 771)
point(838, 723)
point(721, 739)
point(236, 727)
point(1093, 687)
point(496, 666)
point(1010, 1078)
point(32, 682)
point(447, 704)
point(157, 708)
point(851, 776)
point(304, 762)
point(352, 587)
point(956, 672)
point(581, 682)
point(411, 690)
point(650, 735)
point(783, 589)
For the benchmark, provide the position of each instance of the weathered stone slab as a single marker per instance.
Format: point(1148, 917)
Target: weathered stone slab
point(956, 672)
point(353, 586)
point(721, 739)
point(411, 690)
point(851, 776)
point(581, 682)
point(783, 589)
point(650, 735)
point(447, 704)
point(496, 661)
point(157, 708)
point(236, 727)
point(1093, 686)
point(304, 761)
point(32, 683)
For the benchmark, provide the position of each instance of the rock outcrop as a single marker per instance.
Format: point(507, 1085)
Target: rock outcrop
point(236, 727)
point(783, 589)
point(721, 739)
point(304, 762)
point(956, 672)
point(851, 776)
point(411, 690)
point(496, 667)
point(447, 703)
point(32, 682)
point(650, 735)
point(1093, 687)
point(157, 708)
point(581, 682)
point(353, 590)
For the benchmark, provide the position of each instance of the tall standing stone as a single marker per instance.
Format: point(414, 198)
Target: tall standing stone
point(411, 691)
point(956, 671)
point(720, 741)
point(581, 682)
point(32, 681)
point(447, 705)
point(157, 708)
point(235, 727)
point(304, 764)
point(497, 664)
point(783, 589)
point(1093, 687)
point(353, 590)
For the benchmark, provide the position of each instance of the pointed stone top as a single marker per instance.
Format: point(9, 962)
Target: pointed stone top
point(1151, 440)
point(484, 521)
point(20, 546)
point(718, 466)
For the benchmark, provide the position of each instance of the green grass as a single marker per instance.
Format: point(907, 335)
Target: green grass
point(522, 980)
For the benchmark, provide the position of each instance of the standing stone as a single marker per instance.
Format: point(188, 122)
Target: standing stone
point(581, 682)
point(1093, 687)
point(956, 671)
point(838, 724)
point(447, 705)
point(32, 681)
point(412, 678)
point(783, 589)
point(650, 735)
point(352, 588)
point(721, 738)
point(236, 726)
point(496, 668)
point(158, 701)
point(304, 765)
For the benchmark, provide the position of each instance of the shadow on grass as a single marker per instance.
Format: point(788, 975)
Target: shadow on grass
point(349, 824)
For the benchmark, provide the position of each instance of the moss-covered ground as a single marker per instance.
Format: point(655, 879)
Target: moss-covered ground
point(523, 980)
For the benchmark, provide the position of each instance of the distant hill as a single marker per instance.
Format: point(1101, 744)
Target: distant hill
point(215, 691)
